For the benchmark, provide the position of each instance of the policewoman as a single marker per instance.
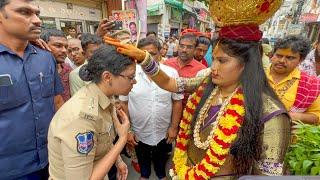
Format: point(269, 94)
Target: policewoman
point(82, 131)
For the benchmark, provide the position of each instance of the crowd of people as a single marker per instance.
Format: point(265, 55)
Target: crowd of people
point(71, 105)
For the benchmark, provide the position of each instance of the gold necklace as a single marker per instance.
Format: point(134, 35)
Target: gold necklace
point(203, 114)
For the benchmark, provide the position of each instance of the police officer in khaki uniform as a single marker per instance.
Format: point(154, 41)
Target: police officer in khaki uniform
point(82, 131)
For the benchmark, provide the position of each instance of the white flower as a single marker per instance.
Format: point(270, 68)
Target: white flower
point(171, 173)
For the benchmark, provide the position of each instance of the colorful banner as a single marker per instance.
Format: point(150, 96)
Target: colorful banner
point(128, 19)
point(141, 6)
point(308, 17)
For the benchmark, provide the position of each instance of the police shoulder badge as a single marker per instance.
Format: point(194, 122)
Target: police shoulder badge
point(85, 142)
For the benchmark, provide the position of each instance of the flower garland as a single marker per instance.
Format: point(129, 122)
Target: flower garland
point(220, 144)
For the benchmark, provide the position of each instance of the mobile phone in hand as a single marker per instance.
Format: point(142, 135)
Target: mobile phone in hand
point(117, 25)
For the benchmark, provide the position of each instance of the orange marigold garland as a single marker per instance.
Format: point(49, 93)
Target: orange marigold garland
point(226, 132)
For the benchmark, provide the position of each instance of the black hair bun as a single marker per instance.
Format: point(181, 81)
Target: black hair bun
point(85, 74)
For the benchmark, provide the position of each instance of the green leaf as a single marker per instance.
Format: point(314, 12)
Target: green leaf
point(315, 156)
point(297, 168)
point(315, 171)
point(306, 166)
point(292, 163)
point(314, 130)
point(314, 150)
point(304, 155)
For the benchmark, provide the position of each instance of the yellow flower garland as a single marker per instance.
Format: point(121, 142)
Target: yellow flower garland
point(219, 148)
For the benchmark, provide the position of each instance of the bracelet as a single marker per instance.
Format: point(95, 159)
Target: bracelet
point(150, 66)
point(146, 60)
point(184, 84)
point(181, 84)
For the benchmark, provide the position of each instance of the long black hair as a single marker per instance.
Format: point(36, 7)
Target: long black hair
point(247, 148)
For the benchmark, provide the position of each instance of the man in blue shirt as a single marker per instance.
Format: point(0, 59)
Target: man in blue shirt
point(29, 83)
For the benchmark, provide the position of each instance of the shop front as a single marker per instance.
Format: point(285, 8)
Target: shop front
point(175, 19)
point(189, 18)
point(60, 15)
point(312, 23)
point(203, 19)
point(310, 17)
point(154, 21)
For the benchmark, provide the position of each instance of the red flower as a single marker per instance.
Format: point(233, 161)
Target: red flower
point(237, 101)
point(200, 168)
point(189, 110)
point(199, 93)
point(240, 120)
point(194, 101)
point(205, 170)
point(183, 135)
point(187, 175)
point(221, 142)
point(181, 146)
point(185, 121)
point(220, 157)
point(232, 113)
point(228, 132)
point(207, 158)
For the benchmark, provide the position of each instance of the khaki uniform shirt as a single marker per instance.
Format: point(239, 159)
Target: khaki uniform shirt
point(80, 134)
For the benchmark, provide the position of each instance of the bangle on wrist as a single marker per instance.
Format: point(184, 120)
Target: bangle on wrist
point(150, 66)
point(181, 84)
point(146, 60)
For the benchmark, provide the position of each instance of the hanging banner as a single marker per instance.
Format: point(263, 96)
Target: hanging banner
point(125, 16)
point(308, 17)
point(128, 18)
point(310, 12)
point(141, 7)
point(142, 13)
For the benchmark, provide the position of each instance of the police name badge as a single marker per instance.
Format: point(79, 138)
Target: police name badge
point(85, 142)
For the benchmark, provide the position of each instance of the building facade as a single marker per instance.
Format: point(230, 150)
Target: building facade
point(84, 15)
point(170, 17)
point(311, 19)
point(297, 17)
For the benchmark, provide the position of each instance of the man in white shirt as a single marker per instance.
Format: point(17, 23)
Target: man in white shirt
point(171, 47)
point(154, 114)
